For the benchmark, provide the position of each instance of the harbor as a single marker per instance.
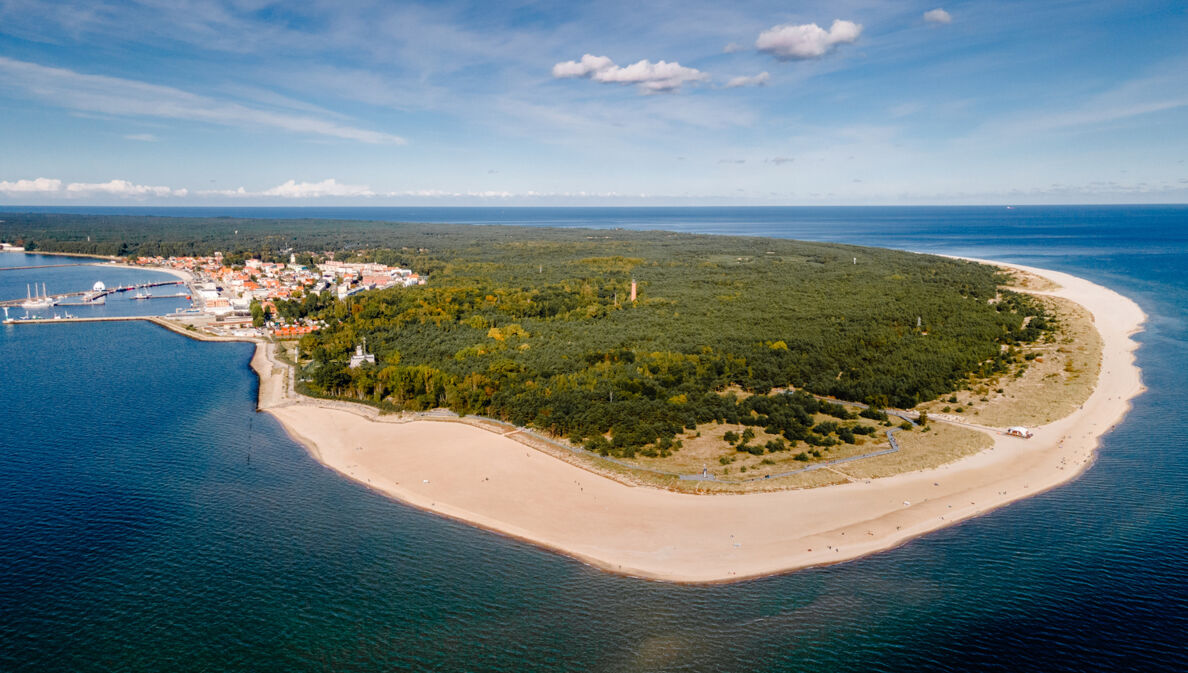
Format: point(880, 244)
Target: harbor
point(96, 295)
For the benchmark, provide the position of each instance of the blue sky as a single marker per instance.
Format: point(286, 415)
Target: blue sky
point(609, 103)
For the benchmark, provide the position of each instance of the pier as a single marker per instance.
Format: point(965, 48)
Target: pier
point(91, 296)
point(111, 318)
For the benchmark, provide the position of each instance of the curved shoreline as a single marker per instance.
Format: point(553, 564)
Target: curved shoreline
point(176, 273)
point(494, 482)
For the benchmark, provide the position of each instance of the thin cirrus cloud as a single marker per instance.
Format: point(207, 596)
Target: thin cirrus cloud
point(132, 98)
point(659, 77)
point(937, 15)
point(790, 42)
point(748, 80)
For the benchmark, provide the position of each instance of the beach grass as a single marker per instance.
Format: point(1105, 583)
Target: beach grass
point(942, 443)
point(1057, 377)
point(1030, 282)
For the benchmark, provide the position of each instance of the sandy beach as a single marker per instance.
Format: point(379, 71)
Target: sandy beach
point(492, 481)
point(176, 273)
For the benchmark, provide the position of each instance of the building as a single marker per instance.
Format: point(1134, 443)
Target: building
point(290, 331)
point(218, 305)
point(361, 356)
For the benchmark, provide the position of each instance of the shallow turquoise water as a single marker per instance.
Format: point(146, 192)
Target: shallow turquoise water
point(150, 520)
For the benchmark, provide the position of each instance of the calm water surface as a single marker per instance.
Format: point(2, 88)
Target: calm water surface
point(61, 275)
point(150, 520)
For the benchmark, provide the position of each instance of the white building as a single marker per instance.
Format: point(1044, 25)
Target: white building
point(361, 356)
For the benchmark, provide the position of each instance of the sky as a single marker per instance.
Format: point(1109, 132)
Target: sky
point(340, 103)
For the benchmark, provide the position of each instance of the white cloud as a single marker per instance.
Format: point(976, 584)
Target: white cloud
point(751, 80)
point(588, 65)
point(305, 190)
point(297, 190)
point(441, 193)
point(651, 77)
point(142, 137)
point(937, 15)
point(122, 188)
point(225, 192)
point(731, 48)
point(792, 41)
point(37, 186)
point(131, 98)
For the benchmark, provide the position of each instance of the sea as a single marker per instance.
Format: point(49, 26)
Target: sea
point(151, 520)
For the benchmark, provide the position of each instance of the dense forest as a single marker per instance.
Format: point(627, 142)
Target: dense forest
point(536, 326)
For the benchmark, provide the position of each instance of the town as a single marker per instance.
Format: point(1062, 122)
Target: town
point(239, 300)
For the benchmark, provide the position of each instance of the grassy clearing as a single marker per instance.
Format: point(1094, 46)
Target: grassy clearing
point(1025, 280)
point(633, 477)
point(920, 450)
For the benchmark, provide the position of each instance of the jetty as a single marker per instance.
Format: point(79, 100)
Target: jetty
point(60, 319)
point(90, 296)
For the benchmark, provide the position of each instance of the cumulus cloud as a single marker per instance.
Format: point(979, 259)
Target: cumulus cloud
point(589, 65)
point(297, 190)
point(305, 190)
point(659, 77)
point(240, 191)
point(122, 188)
point(731, 48)
point(802, 41)
point(503, 195)
point(37, 186)
point(937, 15)
point(132, 98)
point(748, 80)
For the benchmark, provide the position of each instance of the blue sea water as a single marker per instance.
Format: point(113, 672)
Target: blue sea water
point(61, 275)
point(150, 520)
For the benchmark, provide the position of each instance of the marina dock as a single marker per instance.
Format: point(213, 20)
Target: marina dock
point(90, 296)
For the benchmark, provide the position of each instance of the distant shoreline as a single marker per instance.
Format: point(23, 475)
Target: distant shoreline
point(176, 273)
point(494, 482)
point(49, 253)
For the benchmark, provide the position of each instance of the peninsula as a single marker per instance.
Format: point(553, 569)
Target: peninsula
point(495, 482)
point(684, 408)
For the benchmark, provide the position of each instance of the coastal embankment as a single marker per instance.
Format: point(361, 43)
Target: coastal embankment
point(492, 481)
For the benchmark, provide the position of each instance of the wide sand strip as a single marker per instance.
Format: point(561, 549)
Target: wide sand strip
point(495, 482)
